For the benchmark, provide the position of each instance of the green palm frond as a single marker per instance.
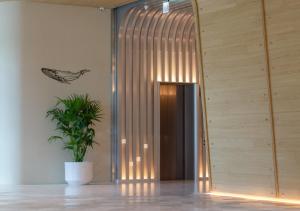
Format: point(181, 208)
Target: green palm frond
point(74, 117)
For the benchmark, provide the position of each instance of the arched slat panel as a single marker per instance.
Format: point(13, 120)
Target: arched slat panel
point(137, 72)
point(143, 93)
point(148, 71)
point(148, 54)
point(179, 44)
point(172, 41)
point(187, 54)
point(152, 73)
point(166, 47)
point(122, 97)
point(130, 95)
point(191, 47)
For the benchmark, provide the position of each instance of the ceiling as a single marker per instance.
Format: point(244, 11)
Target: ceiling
point(89, 3)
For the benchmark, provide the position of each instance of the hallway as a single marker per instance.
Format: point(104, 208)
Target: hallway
point(139, 197)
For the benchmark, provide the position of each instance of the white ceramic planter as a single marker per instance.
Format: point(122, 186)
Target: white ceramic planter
point(78, 173)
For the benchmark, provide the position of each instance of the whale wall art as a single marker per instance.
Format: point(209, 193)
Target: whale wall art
point(65, 77)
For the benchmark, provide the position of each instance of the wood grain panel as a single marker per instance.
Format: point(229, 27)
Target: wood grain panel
point(237, 96)
point(283, 24)
point(89, 3)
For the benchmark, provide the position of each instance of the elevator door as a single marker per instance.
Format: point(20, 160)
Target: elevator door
point(176, 132)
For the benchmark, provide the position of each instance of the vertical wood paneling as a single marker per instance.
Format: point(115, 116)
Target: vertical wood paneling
point(235, 74)
point(205, 129)
point(283, 26)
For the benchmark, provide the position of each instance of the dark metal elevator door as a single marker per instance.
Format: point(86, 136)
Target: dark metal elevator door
point(176, 132)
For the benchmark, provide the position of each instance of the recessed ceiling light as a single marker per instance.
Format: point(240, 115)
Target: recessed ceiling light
point(101, 9)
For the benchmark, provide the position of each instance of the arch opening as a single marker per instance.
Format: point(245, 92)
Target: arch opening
point(153, 48)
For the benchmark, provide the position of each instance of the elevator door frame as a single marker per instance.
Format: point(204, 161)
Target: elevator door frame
point(198, 139)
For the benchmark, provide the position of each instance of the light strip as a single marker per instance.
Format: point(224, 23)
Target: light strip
point(256, 198)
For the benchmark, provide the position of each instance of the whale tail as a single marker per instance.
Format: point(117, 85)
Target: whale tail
point(82, 72)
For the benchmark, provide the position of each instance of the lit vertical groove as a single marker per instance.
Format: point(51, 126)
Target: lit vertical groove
point(186, 53)
point(174, 61)
point(179, 43)
point(147, 78)
point(169, 48)
point(135, 95)
point(153, 77)
point(194, 59)
point(130, 95)
point(165, 45)
point(143, 93)
point(160, 53)
point(122, 88)
point(142, 81)
point(174, 50)
point(162, 43)
point(190, 51)
point(184, 50)
point(136, 92)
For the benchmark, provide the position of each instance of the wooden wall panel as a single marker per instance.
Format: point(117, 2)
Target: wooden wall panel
point(88, 3)
point(283, 26)
point(237, 96)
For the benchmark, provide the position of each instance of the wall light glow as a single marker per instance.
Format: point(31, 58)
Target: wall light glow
point(256, 198)
point(138, 167)
point(159, 78)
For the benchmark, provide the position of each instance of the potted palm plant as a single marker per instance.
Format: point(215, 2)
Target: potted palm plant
point(75, 117)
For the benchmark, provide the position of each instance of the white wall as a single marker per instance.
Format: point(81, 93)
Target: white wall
point(64, 37)
point(10, 114)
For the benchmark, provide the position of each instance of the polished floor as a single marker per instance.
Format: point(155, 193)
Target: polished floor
point(134, 197)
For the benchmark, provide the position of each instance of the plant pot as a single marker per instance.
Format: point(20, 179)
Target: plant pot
point(78, 173)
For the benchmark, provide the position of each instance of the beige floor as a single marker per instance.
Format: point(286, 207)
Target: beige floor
point(138, 197)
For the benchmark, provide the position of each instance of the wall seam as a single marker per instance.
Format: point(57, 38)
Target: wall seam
point(268, 66)
point(115, 176)
point(202, 87)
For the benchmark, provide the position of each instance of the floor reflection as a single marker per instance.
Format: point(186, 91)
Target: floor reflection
point(165, 196)
point(139, 189)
